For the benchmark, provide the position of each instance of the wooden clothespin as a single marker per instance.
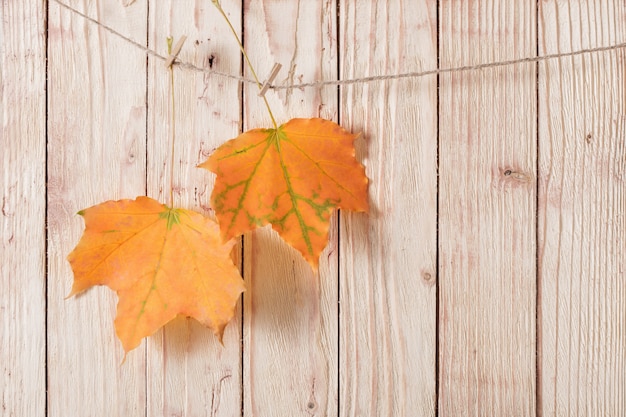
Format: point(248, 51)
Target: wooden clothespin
point(172, 57)
point(270, 78)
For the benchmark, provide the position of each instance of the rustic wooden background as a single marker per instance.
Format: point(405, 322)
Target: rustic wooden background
point(489, 279)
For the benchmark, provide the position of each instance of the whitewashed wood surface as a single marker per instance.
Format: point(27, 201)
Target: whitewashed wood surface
point(96, 152)
point(488, 280)
point(22, 209)
point(487, 196)
point(582, 211)
point(388, 263)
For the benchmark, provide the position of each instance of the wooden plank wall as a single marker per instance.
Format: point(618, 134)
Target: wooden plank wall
point(488, 280)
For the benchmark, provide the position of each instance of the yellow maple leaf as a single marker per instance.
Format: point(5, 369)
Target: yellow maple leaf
point(161, 262)
point(292, 177)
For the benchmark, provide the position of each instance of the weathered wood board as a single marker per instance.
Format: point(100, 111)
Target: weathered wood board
point(388, 263)
point(22, 209)
point(487, 196)
point(290, 313)
point(582, 211)
point(195, 113)
point(96, 152)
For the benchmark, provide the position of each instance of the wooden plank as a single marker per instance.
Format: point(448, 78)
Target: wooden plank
point(582, 201)
point(290, 323)
point(487, 195)
point(189, 372)
point(96, 151)
point(388, 258)
point(22, 208)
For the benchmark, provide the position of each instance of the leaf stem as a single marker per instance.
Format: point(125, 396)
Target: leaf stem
point(170, 41)
point(218, 6)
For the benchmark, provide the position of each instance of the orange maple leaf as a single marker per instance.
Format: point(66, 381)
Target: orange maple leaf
point(161, 262)
point(292, 177)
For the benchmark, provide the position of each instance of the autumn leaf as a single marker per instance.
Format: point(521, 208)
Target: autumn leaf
point(161, 262)
point(292, 177)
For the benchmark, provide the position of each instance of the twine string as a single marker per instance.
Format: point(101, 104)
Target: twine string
point(320, 83)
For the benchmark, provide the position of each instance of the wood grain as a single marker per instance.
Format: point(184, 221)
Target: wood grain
point(290, 314)
point(487, 194)
point(189, 372)
point(582, 201)
point(522, 315)
point(96, 152)
point(388, 258)
point(22, 208)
